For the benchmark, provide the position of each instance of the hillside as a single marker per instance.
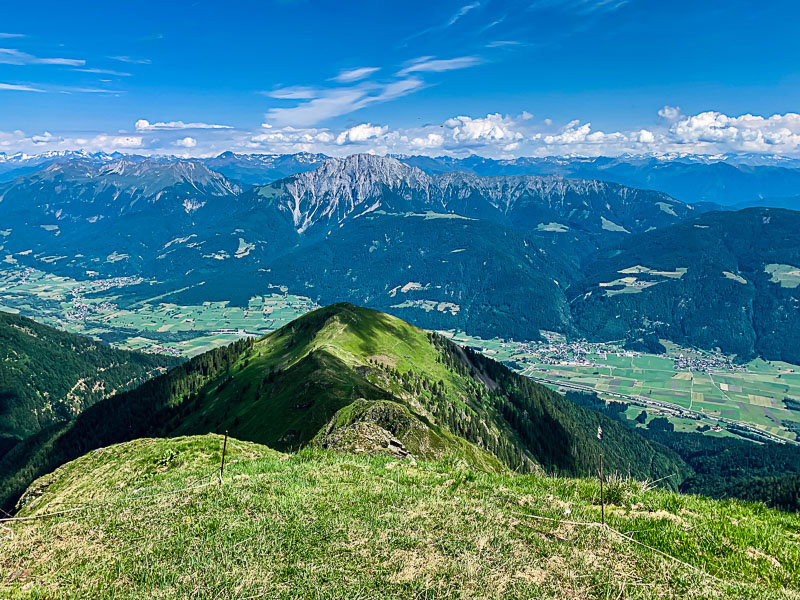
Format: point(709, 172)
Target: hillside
point(321, 524)
point(725, 279)
point(48, 376)
point(439, 271)
point(351, 378)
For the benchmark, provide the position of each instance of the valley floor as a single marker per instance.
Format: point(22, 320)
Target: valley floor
point(148, 518)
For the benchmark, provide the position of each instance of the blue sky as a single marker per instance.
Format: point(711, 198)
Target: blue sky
point(493, 77)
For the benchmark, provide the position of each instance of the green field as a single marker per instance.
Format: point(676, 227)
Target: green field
point(754, 393)
point(104, 309)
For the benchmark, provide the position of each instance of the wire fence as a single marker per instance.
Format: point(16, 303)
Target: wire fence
point(217, 479)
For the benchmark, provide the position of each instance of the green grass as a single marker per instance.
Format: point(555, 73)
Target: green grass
point(325, 525)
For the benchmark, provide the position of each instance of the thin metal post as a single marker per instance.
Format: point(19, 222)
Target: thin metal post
point(222, 464)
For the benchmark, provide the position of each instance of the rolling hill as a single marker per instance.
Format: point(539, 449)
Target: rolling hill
point(352, 378)
point(148, 517)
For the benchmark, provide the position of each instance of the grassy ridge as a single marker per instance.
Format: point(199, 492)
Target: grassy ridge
point(329, 525)
point(286, 388)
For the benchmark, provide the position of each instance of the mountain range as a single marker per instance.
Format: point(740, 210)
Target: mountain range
point(496, 256)
point(724, 180)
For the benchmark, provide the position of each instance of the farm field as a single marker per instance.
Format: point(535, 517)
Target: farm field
point(764, 394)
point(106, 310)
point(135, 314)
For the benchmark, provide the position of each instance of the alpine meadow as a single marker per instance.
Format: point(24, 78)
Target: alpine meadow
point(466, 300)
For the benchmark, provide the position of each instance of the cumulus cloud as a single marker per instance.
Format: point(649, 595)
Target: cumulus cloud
point(187, 142)
point(745, 133)
point(492, 135)
point(145, 125)
point(493, 127)
point(121, 141)
point(432, 140)
point(290, 138)
point(360, 133)
point(670, 113)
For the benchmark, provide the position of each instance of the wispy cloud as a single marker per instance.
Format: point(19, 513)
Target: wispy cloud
point(503, 44)
point(104, 72)
point(351, 75)
point(449, 23)
point(461, 12)
point(294, 92)
point(6, 36)
point(429, 64)
point(10, 56)
point(85, 90)
point(145, 125)
point(131, 60)
point(333, 102)
point(13, 87)
point(583, 7)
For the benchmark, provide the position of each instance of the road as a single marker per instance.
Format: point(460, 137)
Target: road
point(675, 409)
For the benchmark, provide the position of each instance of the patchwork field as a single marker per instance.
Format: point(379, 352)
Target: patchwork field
point(764, 394)
point(700, 387)
point(110, 310)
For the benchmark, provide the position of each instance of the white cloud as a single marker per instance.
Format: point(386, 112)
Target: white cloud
point(290, 138)
point(335, 102)
point(432, 140)
point(12, 87)
point(121, 141)
point(360, 133)
point(429, 64)
point(80, 90)
point(494, 127)
point(493, 135)
point(646, 137)
point(670, 113)
point(187, 142)
point(503, 44)
point(130, 60)
point(10, 56)
point(145, 125)
point(104, 72)
point(745, 133)
point(461, 12)
point(351, 75)
point(5, 36)
point(581, 7)
point(296, 92)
